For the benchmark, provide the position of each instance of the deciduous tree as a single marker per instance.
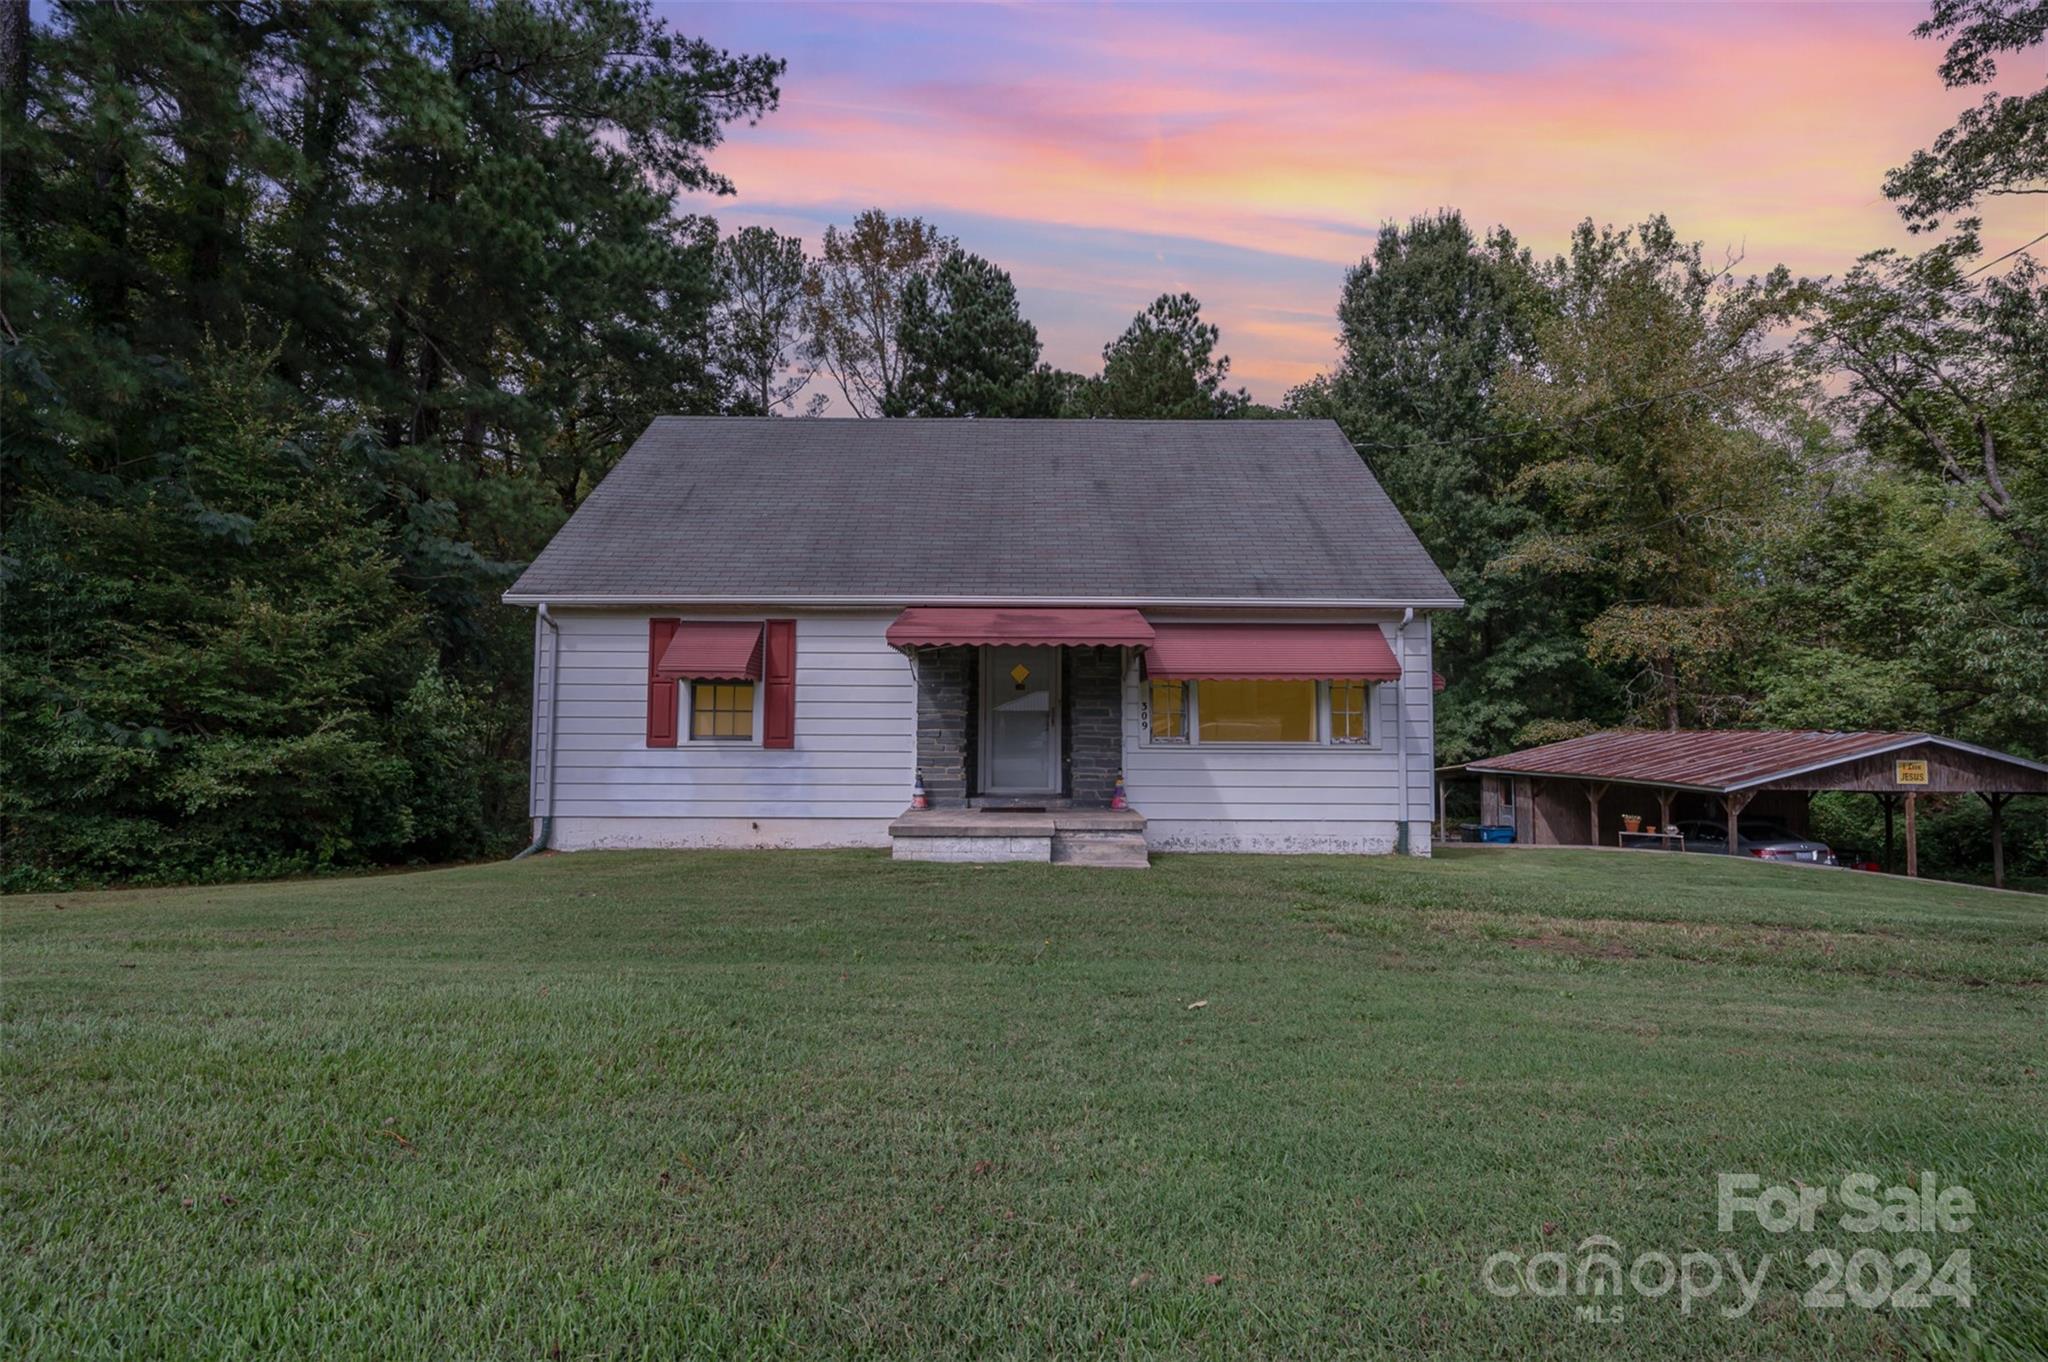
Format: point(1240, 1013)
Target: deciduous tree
point(760, 319)
point(1427, 323)
point(853, 303)
point(1662, 427)
point(2000, 146)
point(1947, 372)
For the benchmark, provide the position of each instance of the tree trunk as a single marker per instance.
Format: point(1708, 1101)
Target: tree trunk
point(395, 430)
point(1997, 803)
point(207, 223)
point(324, 110)
point(1668, 669)
point(14, 39)
point(14, 44)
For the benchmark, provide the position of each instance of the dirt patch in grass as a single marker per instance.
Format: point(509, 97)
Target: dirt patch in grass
point(1805, 949)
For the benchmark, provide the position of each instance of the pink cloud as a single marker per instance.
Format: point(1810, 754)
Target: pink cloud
point(1295, 133)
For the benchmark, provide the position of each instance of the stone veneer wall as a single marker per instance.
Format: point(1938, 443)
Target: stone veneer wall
point(948, 734)
point(946, 737)
point(1094, 727)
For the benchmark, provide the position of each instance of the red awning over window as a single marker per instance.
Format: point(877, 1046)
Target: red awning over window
point(1270, 652)
point(712, 650)
point(927, 626)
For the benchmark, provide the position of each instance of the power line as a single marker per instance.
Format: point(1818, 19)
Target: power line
point(2007, 256)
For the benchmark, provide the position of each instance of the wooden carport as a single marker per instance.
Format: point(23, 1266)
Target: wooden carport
point(1733, 769)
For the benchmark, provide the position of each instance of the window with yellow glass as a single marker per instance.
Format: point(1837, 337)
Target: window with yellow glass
point(1256, 711)
point(722, 711)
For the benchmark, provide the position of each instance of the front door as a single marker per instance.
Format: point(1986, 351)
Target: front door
point(1020, 721)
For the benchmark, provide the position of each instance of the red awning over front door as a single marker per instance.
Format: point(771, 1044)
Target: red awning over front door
point(929, 626)
point(712, 650)
point(1270, 652)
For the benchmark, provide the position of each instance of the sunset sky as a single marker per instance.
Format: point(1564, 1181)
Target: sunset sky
point(1248, 154)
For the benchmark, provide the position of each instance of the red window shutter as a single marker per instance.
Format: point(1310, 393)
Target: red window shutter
point(778, 671)
point(662, 697)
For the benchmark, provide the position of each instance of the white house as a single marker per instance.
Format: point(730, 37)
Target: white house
point(765, 633)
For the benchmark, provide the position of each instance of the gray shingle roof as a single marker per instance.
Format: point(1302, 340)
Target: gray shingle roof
point(729, 508)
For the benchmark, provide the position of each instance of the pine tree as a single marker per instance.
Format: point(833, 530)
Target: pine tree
point(1165, 367)
point(453, 237)
point(967, 350)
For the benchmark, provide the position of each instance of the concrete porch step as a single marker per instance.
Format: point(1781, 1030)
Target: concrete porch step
point(1109, 850)
point(1095, 837)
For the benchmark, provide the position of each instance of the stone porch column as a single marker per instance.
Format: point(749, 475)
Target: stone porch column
point(1094, 729)
point(946, 738)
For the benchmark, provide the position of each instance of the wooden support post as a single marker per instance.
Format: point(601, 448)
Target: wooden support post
point(1886, 802)
point(1593, 794)
point(1912, 839)
point(1664, 798)
point(1735, 804)
point(1997, 803)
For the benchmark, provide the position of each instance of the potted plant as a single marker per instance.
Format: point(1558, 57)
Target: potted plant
point(1631, 822)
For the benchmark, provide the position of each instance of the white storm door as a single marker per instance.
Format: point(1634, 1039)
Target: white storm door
point(1020, 720)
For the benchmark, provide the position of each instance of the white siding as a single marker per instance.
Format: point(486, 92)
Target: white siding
point(847, 776)
point(856, 725)
point(1291, 798)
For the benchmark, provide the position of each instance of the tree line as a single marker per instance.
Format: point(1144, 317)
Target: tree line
point(893, 318)
point(317, 321)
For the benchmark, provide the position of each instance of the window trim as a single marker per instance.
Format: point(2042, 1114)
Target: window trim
point(1325, 741)
point(686, 699)
point(1369, 736)
point(1186, 737)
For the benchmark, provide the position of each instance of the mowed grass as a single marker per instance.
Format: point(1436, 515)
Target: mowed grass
point(723, 1103)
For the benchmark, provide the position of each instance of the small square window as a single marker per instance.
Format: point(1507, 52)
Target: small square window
point(1169, 711)
point(1348, 719)
point(722, 711)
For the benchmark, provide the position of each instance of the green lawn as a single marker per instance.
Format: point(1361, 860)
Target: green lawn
point(659, 1104)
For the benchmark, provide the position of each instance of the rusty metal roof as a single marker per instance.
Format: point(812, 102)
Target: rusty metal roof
point(1715, 761)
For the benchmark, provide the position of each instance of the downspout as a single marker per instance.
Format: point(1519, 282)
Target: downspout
point(547, 817)
point(1400, 732)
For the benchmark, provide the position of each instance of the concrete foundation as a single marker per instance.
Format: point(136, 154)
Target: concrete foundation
point(634, 834)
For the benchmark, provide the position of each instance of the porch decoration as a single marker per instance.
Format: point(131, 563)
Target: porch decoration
point(1117, 800)
point(918, 798)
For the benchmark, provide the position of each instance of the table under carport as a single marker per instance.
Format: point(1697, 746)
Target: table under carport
point(1581, 792)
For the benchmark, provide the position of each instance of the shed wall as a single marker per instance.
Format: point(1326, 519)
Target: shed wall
point(1948, 772)
point(1561, 814)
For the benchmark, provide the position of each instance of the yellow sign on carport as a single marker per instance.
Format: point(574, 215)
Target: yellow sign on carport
point(1909, 772)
